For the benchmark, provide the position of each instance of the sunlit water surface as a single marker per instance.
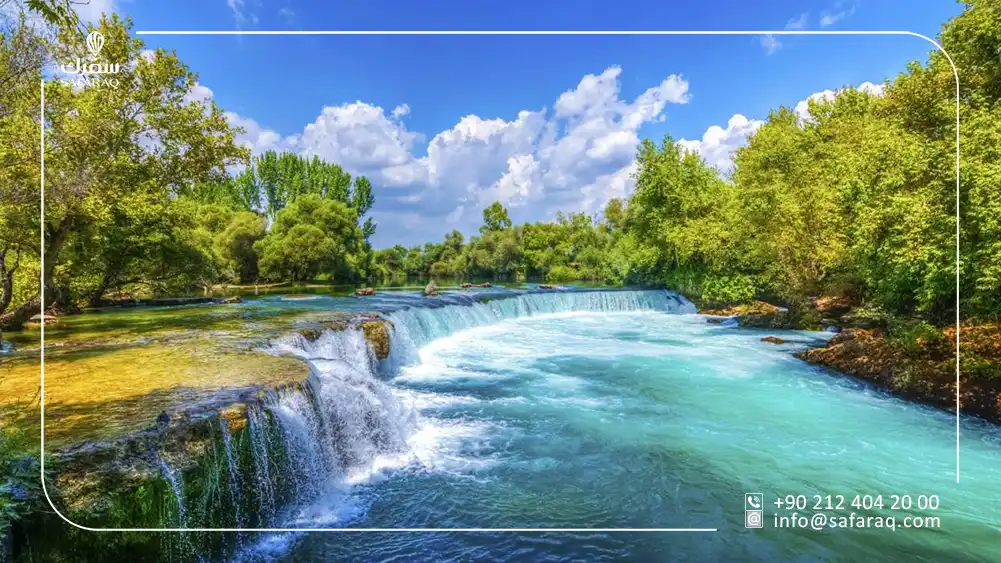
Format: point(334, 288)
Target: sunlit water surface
point(640, 420)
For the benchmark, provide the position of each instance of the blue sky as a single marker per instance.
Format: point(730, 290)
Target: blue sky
point(445, 125)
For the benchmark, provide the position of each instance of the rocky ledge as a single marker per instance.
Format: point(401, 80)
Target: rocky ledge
point(757, 315)
point(376, 329)
point(923, 368)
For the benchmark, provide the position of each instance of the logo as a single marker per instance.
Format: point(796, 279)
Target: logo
point(754, 510)
point(95, 42)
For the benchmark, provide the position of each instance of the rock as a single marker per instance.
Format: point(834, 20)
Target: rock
point(855, 320)
point(545, 286)
point(431, 290)
point(832, 306)
point(715, 320)
point(486, 284)
point(42, 318)
point(377, 334)
point(311, 334)
point(776, 319)
point(773, 340)
point(466, 285)
point(163, 419)
point(230, 300)
point(753, 308)
point(365, 291)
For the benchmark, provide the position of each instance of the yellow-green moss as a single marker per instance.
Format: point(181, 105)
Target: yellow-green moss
point(100, 392)
point(377, 334)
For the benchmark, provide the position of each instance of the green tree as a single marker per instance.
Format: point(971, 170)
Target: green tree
point(101, 160)
point(235, 245)
point(312, 236)
point(495, 218)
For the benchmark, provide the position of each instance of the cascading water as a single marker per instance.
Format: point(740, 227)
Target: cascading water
point(235, 484)
point(347, 419)
point(347, 423)
point(262, 470)
point(412, 328)
point(175, 484)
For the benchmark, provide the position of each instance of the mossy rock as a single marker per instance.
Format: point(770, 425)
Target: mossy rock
point(377, 334)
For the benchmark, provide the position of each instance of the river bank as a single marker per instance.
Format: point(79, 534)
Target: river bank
point(910, 359)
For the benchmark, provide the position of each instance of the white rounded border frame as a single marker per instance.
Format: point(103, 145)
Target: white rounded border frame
point(462, 33)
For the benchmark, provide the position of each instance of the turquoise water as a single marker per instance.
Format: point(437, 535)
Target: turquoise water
point(638, 419)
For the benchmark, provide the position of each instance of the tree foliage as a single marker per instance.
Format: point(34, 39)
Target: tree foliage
point(313, 236)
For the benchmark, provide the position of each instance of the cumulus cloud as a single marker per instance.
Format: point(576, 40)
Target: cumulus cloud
point(258, 139)
point(718, 143)
point(198, 93)
point(574, 156)
point(770, 43)
point(802, 107)
point(400, 110)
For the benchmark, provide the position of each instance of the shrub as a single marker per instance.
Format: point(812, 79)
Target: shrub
point(723, 291)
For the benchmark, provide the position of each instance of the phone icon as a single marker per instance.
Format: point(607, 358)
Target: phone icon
point(753, 501)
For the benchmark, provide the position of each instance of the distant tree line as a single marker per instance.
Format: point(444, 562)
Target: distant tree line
point(147, 190)
point(857, 199)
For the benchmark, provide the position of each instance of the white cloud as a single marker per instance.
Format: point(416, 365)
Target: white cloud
point(256, 138)
point(802, 108)
point(358, 136)
point(871, 89)
point(798, 22)
point(400, 110)
point(770, 43)
point(718, 144)
point(198, 93)
point(837, 13)
point(241, 13)
point(573, 157)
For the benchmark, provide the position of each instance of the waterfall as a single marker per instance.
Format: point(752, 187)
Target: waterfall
point(346, 424)
point(175, 484)
point(347, 417)
point(417, 326)
point(235, 485)
point(262, 472)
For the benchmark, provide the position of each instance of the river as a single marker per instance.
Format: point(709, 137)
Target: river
point(614, 410)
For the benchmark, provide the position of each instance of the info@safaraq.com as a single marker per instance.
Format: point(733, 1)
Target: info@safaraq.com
point(832, 512)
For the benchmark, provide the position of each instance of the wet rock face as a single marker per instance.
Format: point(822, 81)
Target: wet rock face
point(377, 334)
point(466, 285)
point(365, 291)
point(773, 340)
point(486, 284)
